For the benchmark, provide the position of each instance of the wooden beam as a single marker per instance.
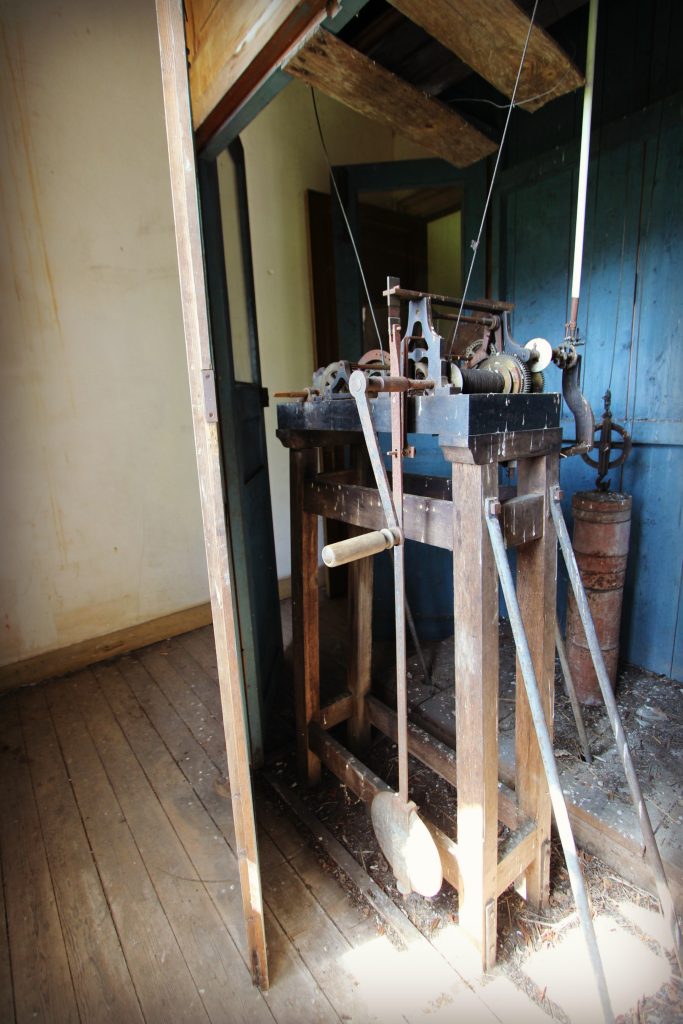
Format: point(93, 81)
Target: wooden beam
point(218, 555)
point(226, 41)
point(489, 35)
point(347, 75)
point(99, 648)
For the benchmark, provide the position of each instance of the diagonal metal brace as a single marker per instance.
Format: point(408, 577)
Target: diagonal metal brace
point(650, 843)
point(492, 507)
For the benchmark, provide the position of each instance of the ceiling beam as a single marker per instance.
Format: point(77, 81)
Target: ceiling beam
point(489, 35)
point(347, 75)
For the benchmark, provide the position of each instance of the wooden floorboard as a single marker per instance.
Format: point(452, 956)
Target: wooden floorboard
point(102, 982)
point(208, 949)
point(6, 993)
point(164, 984)
point(294, 994)
point(43, 989)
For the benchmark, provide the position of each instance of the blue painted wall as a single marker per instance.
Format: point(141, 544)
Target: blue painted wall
point(630, 315)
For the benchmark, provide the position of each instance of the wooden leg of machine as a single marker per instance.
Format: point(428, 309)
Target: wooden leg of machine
point(476, 704)
point(359, 673)
point(305, 626)
point(536, 587)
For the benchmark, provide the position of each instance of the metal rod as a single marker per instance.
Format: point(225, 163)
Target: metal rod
point(418, 646)
point(479, 305)
point(650, 843)
point(548, 758)
point(583, 163)
point(570, 690)
point(397, 444)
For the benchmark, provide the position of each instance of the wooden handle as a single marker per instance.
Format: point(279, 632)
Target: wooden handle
point(357, 547)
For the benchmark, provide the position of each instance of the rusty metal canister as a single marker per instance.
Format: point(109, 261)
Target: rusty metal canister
point(602, 524)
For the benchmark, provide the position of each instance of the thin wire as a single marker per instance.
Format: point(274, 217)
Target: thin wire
point(346, 221)
point(520, 103)
point(475, 245)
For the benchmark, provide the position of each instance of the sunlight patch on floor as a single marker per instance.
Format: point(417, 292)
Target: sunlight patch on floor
point(564, 972)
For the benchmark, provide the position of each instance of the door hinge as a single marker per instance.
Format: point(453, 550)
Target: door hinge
point(210, 402)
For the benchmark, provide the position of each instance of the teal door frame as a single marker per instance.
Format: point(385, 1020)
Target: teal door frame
point(248, 508)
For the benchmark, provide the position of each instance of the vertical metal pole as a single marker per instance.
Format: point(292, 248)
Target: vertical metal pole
point(548, 756)
point(651, 850)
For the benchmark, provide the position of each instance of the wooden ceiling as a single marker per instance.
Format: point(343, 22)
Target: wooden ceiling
point(404, 64)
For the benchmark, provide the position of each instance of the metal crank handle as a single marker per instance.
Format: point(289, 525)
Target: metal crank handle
point(363, 546)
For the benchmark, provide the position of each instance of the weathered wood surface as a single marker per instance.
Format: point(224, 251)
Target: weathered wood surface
point(476, 703)
point(345, 74)
point(522, 519)
point(226, 37)
point(439, 757)
point(41, 979)
point(100, 648)
point(427, 520)
point(305, 621)
point(489, 35)
point(536, 593)
point(218, 555)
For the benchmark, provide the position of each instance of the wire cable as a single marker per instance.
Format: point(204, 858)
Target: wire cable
point(346, 220)
point(475, 244)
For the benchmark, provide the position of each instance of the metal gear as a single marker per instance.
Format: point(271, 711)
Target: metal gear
point(515, 373)
point(537, 382)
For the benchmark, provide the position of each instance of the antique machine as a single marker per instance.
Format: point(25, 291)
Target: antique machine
point(484, 401)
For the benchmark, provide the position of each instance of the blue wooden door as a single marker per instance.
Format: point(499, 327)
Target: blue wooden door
point(631, 314)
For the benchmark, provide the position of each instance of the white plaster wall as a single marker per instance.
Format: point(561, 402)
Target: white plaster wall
point(99, 510)
point(284, 158)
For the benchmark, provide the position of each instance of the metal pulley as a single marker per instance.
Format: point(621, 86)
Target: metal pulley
point(606, 447)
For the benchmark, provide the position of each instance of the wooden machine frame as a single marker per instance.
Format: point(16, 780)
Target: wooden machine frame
point(474, 865)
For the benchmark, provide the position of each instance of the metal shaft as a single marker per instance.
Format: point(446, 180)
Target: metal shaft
point(548, 757)
point(650, 843)
point(397, 443)
point(570, 690)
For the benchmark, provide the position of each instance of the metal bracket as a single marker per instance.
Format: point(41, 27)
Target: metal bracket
point(210, 401)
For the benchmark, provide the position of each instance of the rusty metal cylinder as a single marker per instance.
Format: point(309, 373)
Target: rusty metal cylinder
point(602, 525)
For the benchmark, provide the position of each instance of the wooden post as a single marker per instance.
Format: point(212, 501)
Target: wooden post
point(536, 590)
point(218, 556)
point(359, 672)
point(305, 612)
point(476, 703)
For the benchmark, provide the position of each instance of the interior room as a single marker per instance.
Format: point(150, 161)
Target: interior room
point(342, 646)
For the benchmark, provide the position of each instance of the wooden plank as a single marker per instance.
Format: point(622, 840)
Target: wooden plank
point(100, 648)
point(337, 711)
point(199, 363)
point(42, 985)
point(345, 74)
point(427, 520)
point(102, 983)
point(214, 861)
point(207, 948)
point(522, 519)
point(204, 725)
point(476, 703)
point(440, 758)
point(6, 992)
point(365, 784)
point(295, 996)
point(305, 613)
point(160, 973)
point(234, 46)
point(489, 35)
point(359, 610)
point(514, 861)
point(536, 593)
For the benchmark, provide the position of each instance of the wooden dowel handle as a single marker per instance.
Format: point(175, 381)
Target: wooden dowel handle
point(358, 547)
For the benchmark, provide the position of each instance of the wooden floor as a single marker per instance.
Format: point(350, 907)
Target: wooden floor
point(119, 879)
